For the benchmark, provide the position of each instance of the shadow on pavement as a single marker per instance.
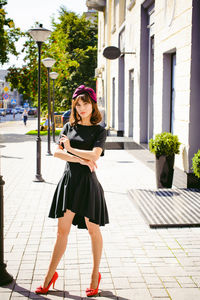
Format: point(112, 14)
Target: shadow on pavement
point(51, 183)
point(110, 295)
point(15, 157)
point(18, 138)
point(105, 294)
point(13, 286)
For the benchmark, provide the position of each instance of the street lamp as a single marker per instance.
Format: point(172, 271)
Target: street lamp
point(48, 63)
point(39, 34)
point(5, 277)
point(53, 76)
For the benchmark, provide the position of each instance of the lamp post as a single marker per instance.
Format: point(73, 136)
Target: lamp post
point(48, 63)
point(5, 277)
point(39, 34)
point(53, 76)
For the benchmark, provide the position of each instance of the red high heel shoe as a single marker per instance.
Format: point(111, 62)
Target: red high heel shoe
point(93, 292)
point(42, 290)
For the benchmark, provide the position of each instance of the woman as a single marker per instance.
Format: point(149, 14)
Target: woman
point(79, 197)
point(25, 116)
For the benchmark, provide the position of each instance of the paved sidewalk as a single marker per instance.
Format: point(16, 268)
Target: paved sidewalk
point(137, 263)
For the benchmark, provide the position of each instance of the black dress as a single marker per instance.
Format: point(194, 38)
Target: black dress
point(79, 189)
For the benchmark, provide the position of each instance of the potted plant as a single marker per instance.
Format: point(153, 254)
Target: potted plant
point(196, 163)
point(165, 145)
point(194, 178)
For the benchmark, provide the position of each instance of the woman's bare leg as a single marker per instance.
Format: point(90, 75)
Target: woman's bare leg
point(97, 246)
point(64, 225)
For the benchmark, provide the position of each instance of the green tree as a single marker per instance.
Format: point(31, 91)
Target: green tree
point(73, 44)
point(25, 79)
point(8, 35)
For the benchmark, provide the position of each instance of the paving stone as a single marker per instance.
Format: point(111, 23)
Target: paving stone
point(134, 294)
point(160, 292)
point(19, 298)
point(20, 294)
point(73, 295)
point(28, 266)
point(161, 298)
point(24, 288)
point(135, 279)
point(72, 288)
point(138, 285)
point(184, 294)
point(147, 270)
point(5, 295)
point(171, 271)
point(172, 285)
point(121, 283)
point(152, 279)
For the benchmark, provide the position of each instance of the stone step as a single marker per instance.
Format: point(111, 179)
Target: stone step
point(118, 143)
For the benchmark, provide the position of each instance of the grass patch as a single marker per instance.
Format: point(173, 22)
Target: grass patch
point(43, 132)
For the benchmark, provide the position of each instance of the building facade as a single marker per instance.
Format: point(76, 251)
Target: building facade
point(153, 86)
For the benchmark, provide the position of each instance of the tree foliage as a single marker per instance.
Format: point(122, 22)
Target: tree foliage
point(73, 44)
point(8, 35)
point(196, 163)
point(164, 143)
point(25, 79)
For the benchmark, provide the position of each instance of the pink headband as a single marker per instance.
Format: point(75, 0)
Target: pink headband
point(85, 90)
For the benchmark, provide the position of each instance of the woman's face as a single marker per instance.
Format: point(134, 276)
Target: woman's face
point(84, 109)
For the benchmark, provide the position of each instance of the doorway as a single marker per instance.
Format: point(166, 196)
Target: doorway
point(173, 92)
point(113, 103)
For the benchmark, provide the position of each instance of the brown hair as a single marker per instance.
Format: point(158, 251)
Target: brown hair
point(74, 116)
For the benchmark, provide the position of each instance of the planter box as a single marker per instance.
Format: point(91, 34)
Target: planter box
point(193, 181)
point(164, 171)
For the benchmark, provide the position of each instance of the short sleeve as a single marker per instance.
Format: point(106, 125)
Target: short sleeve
point(101, 139)
point(63, 131)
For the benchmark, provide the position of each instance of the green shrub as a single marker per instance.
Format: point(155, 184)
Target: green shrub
point(164, 143)
point(196, 163)
point(43, 132)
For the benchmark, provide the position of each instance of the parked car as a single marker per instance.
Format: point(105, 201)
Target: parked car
point(2, 112)
point(32, 111)
point(66, 116)
point(17, 110)
point(13, 111)
point(8, 110)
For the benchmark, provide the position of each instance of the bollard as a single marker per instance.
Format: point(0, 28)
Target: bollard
point(5, 277)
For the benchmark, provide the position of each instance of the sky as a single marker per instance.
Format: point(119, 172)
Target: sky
point(26, 12)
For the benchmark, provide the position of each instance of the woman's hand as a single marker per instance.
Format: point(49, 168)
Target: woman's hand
point(91, 164)
point(64, 139)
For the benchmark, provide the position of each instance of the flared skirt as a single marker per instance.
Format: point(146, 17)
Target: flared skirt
point(80, 191)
